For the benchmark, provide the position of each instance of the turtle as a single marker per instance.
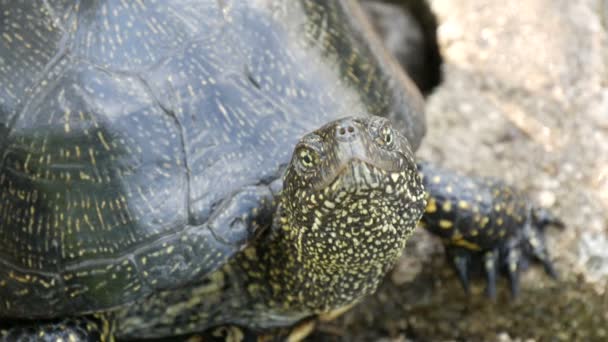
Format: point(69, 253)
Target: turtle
point(170, 167)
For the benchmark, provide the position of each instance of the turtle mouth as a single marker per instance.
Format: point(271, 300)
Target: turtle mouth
point(361, 175)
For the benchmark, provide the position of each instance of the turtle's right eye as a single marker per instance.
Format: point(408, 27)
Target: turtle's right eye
point(383, 133)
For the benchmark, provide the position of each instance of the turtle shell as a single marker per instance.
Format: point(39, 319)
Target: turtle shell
point(128, 128)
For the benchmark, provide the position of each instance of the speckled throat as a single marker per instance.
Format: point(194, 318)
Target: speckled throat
point(350, 242)
point(345, 237)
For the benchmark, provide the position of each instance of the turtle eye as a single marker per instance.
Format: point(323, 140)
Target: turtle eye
point(385, 136)
point(307, 158)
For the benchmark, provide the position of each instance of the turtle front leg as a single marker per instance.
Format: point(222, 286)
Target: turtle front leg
point(485, 224)
point(86, 328)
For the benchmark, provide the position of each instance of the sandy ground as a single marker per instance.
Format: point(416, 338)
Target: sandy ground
point(524, 98)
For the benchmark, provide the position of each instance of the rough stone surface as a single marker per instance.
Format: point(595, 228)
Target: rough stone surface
point(524, 98)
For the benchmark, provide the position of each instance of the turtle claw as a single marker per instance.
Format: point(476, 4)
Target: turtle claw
point(540, 254)
point(534, 243)
point(548, 267)
point(461, 261)
point(490, 262)
point(461, 264)
point(514, 283)
point(513, 266)
point(543, 217)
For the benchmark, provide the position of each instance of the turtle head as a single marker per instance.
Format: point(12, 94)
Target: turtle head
point(351, 195)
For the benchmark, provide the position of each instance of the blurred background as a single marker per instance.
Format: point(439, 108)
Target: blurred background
point(516, 90)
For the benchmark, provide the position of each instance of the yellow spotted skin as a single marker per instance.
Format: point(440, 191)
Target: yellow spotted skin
point(95, 328)
point(486, 223)
point(473, 213)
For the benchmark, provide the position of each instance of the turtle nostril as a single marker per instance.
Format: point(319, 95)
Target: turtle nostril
point(346, 131)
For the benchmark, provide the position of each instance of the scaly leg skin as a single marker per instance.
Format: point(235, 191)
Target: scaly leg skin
point(89, 328)
point(486, 222)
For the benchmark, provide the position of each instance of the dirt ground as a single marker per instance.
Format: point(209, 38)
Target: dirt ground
point(525, 99)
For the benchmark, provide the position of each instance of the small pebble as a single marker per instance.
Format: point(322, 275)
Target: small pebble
point(546, 198)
